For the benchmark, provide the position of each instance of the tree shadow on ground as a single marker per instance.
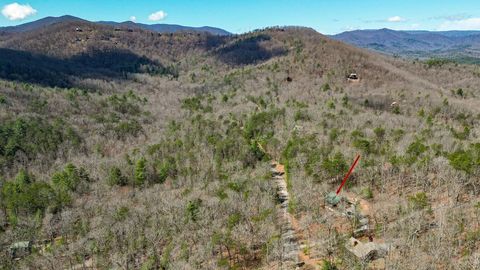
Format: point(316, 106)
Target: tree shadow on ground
point(248, 51)
point(95, 64)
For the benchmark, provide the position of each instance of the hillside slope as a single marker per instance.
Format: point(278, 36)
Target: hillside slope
point(38, 24)
point(156, 151)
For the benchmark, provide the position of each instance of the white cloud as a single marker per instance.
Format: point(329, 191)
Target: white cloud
point(133, 18)
point(396, 19)
point(466, 24)
point(15, 11)
point(158, 16)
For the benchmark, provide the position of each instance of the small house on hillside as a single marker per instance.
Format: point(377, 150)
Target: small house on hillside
point(353, 77)
point(367, 251)
point(20, 249)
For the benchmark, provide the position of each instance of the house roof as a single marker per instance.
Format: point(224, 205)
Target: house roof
point(22, 244)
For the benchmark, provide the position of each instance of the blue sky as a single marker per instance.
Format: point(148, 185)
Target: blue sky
point(327, 17)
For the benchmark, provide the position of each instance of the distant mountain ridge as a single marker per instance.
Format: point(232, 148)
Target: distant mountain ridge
point(38, 24)
point(452, 33)
point(421, 44)
point(161, 28)
point(167, 28)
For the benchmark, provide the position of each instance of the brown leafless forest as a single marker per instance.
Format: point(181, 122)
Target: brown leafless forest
point(139, 150)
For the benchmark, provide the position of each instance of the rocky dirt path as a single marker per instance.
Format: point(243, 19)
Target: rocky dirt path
point(291, 236)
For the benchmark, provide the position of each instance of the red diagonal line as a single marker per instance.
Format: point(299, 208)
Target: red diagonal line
point(348, 174)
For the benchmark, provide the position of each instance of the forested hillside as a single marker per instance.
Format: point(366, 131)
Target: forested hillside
point(141, 150)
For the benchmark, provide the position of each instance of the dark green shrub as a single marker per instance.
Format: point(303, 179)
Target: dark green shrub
point(221, 194)
point(192, 210)
point(192, 104)
point(233, 220)
point(364, 145)
point(416, 148)
point(126, 103)
point(327, 265)
point(414, 151)
point(462, 135)
point(437, 149)
point(38, 105)
point(259, 101)
point(115, 177)
point(436, 62)
point(331, 104)
point(398, 134)
point(367, 193)
point(429, 120)
point(140, 172)
point(165, 169)
point(301, 116)
point(64, 183)
point(357, 134)
point(24, 195)
point(261, 124)
point(121, 213)
point(69, 178)
point(445, 102)
point(63, 198)
point(128, 128)
point(419, 201)
point(163, 172)
point(257, 152)
point(33, 136)
point(334, 165)
point(459, 92)
point(237, 186)
point(295, 146)
point(224, 98)
point(326, 87)
point(379, 133)
point(297, 104)
point(464, 161)
point(396, 110)
point(225, 149)
point(312, 165)
point(208, 109)
point(463, 117)
point(472, 238)
point(333, 135)
point(24, 178)
point(421, 113)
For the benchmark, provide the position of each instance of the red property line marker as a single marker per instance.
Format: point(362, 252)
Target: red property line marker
point(348, 174)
